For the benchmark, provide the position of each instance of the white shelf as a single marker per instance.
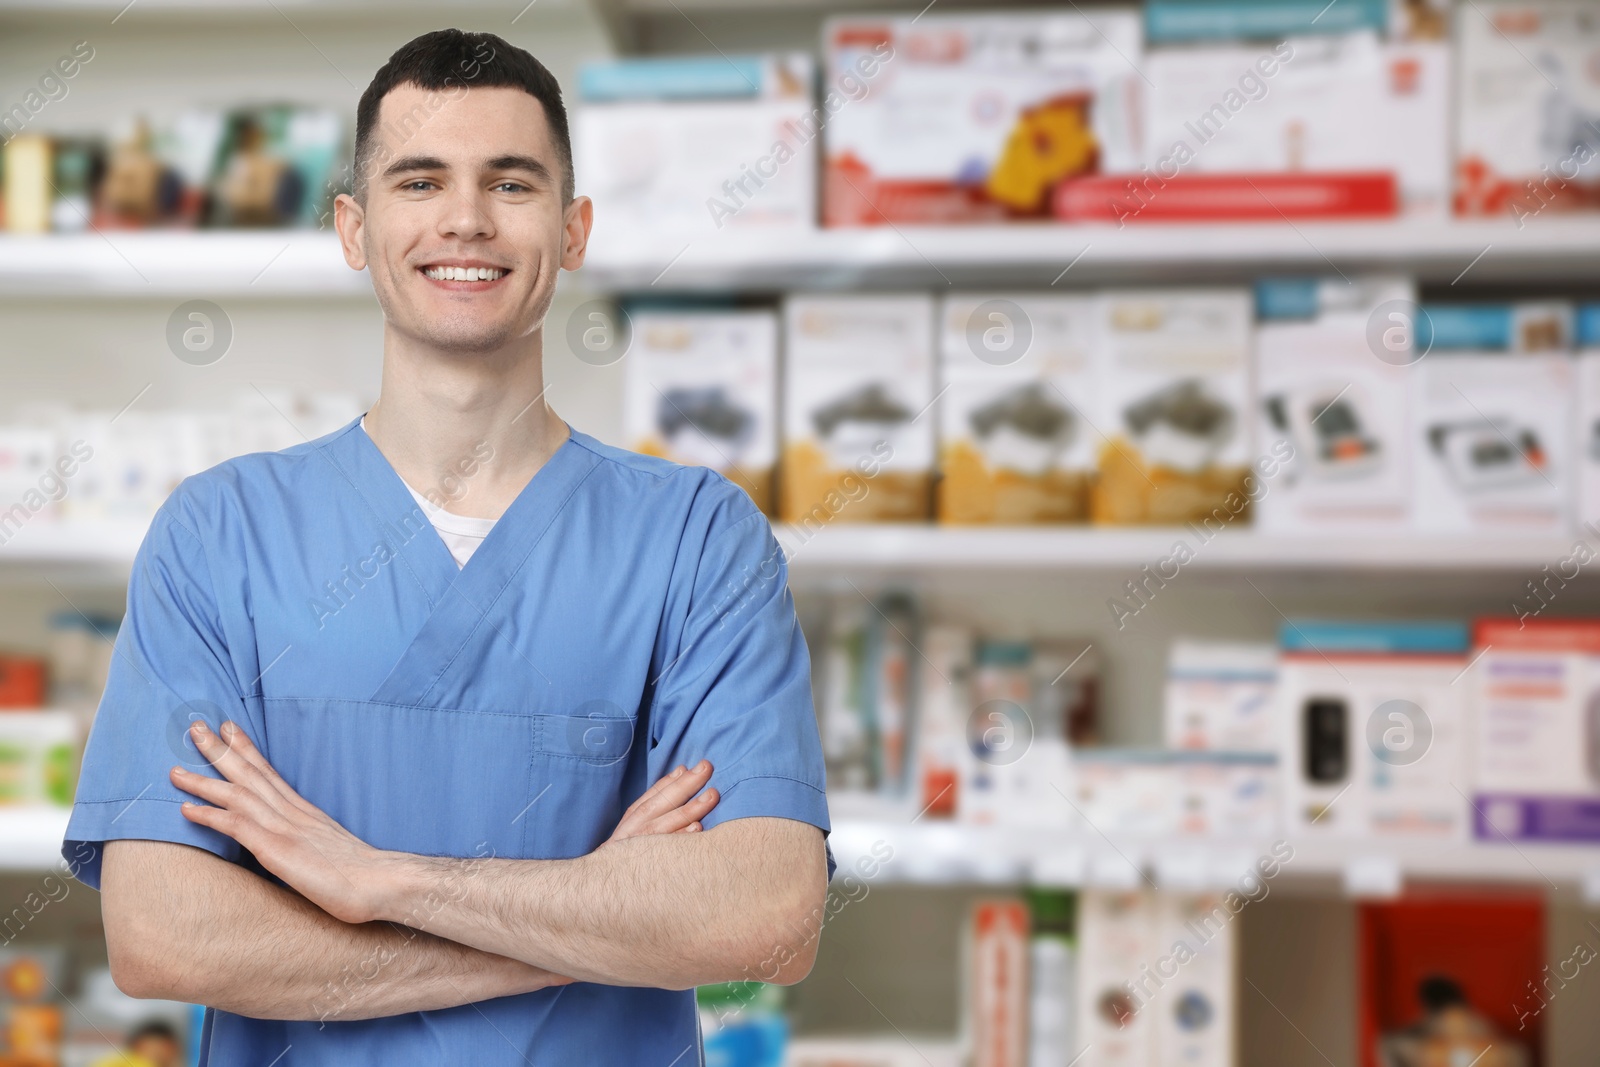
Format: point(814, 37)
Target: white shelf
point(30, 838)
point(909, 547)
point(46, 543)
point(308, 262)
point(1037, 254)
point(845, 547)
point(942, 853)
point(135, 263)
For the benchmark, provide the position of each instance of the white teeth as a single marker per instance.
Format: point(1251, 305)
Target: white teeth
point(464, 274)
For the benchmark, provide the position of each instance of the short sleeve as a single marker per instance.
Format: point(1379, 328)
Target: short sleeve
point(739, 690)
point(170, 667)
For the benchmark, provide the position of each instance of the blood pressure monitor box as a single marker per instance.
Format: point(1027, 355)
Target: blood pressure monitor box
point(1018, 384)
point(1175, 401)
point(1494, 418)
point(701, 388)
point(1527, 141)
point(1334, 389)
point(858, 438)
point(683, 147)
point(1586, 437)
point(977, 117)
point(1375, 729)
point(1537, 690)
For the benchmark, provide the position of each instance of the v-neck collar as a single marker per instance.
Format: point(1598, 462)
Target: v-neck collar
point(428, 555)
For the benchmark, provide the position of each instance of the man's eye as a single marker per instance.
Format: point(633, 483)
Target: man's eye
point(512, 187)
point(418, 186)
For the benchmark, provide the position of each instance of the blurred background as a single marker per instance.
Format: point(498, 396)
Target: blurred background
point(1182, 420)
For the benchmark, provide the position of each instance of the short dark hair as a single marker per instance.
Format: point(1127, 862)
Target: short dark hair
point(447, 60)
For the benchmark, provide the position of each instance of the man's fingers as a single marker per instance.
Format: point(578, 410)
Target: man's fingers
point(687, 816)
point(654, 791)
point(238, 742)
point(676, 792)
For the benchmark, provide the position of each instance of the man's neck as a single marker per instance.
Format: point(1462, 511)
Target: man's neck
point(466, 429)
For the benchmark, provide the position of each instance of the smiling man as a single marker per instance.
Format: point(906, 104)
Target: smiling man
point(409, 820)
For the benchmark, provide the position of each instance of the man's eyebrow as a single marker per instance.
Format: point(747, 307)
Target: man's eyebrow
point(527, 163)
point(406, 164)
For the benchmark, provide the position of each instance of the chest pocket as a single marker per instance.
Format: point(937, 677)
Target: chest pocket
point(576, 775)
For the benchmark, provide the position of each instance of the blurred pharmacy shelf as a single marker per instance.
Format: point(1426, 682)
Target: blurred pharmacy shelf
point(943, 853)
point(930, 852)
point(30, 837)
point(913, 547)
point(1043, 255)
point(264, 263)
point(308, 263)
point(909, 547)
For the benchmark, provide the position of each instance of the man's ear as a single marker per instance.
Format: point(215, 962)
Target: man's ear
point(577, 223)
point(348, 218)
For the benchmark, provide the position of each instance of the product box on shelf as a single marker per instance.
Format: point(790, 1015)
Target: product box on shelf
point(688, 146)
point(1187, 22)
point(1586, 416)
point(997, 983)
point(1195, 1010)
point(1376, 738)
point(1528, 100)
point(1339, 405)
point(1161, 793)
point(976, 117)
point(1460, 976)
point(1117, 943)
point(1175, 401)
point(1053, 978)
point(1066, 690)
point(1017, 387)
point(1019, 755)
point(1220, 696)
point(28, 475)
point(38, 757)
point(943, 758)
point(1494, 419)
point(1340, 109)
point(1536, 687)
point(869, 696)
point(858, 439)
point(701, 387)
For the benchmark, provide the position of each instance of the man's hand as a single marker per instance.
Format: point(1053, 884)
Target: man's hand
point(330, 866)
point(670, 806)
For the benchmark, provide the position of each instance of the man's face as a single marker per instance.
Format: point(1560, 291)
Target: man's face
point(463, 229)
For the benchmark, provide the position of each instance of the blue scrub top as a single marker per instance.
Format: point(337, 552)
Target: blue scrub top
point(625, 615)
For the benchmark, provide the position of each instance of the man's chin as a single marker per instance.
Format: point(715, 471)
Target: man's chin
point(466, 338)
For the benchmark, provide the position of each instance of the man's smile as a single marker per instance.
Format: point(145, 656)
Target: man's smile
point(469, 275)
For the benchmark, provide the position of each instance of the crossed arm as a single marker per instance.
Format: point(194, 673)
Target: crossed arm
point(365, 932)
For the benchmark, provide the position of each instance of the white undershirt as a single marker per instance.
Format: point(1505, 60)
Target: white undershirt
point(461, 534)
